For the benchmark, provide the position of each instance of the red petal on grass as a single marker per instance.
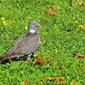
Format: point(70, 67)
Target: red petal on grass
point(55, 78)
point(79, 54)
point(39, 60)
point(23, 83)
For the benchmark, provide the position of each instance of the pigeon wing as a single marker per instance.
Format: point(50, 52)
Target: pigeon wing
point(19, 39)
point(27, 45)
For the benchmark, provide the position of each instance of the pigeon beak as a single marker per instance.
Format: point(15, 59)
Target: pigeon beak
point(38, 25)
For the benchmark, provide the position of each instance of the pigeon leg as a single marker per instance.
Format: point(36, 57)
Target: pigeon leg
point(32, 55)
point(29, 56)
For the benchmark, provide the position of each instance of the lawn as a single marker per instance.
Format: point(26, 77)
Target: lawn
point(62, 35)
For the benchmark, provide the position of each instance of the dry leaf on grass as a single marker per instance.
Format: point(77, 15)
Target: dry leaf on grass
point(81, 3)
point(82, 26)
point(83, 83)
point(61, 67)
point(37, 54)
point(79, 54)
point(49, 60)
point(23, 83)
point(39, 60)
point(51, 11)
point(74, 83)
point(80, 69)
point(54, 78)
point(55, 63)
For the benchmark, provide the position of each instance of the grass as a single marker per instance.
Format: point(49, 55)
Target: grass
point(60, 34)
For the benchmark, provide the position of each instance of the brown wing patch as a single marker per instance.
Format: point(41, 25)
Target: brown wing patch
point(9, 55)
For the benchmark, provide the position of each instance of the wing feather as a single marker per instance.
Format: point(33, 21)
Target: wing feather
point(27, 45)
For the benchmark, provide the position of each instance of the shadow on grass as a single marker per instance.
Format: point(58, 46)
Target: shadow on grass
point(23, 58)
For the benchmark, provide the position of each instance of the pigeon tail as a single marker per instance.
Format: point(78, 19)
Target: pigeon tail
point(9, 55)
point(1, 58)
point(6, 56)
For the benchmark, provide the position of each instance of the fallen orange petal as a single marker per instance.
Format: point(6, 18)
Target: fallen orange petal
point(83, 83)
point(23, 83)
point(79, 54)
point(54, 78)
point(51, 11)
point(55, 63)
point(74, 83)
point(39, 60)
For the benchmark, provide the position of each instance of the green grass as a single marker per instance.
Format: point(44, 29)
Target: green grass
point(60, 35)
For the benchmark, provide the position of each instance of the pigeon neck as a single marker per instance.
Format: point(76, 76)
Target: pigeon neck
point(32, 29)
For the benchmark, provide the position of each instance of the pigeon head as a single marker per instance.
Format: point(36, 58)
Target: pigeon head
point(32, 27)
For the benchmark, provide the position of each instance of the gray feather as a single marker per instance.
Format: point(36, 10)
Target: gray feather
point(25, 44)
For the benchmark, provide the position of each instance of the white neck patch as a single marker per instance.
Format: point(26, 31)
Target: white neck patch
point(32, 31)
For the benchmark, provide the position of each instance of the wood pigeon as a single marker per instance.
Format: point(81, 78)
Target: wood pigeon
point(24, 45)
